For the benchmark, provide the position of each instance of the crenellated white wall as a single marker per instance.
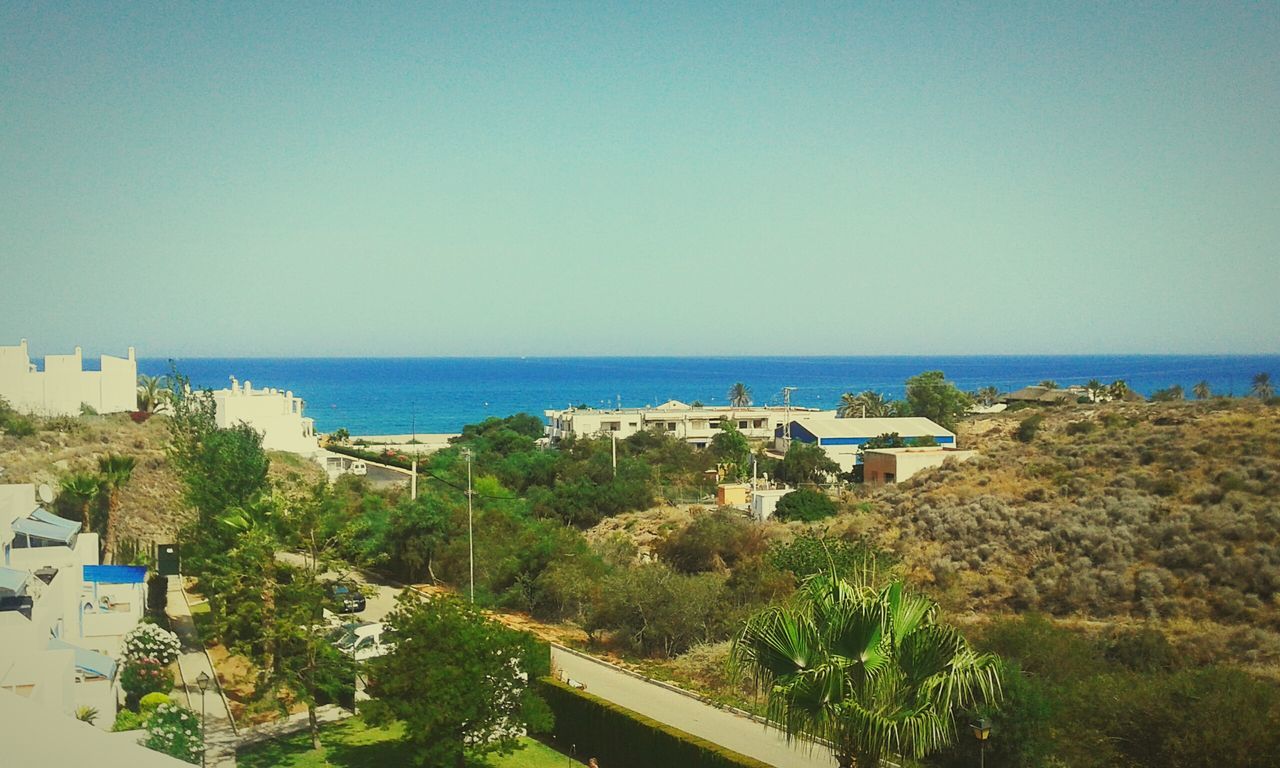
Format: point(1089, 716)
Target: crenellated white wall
point(275, 414)
point(63, 385)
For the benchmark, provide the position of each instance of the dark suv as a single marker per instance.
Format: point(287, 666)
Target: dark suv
point(345, 598)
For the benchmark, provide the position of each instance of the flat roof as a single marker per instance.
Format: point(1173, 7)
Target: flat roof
point(907, 426)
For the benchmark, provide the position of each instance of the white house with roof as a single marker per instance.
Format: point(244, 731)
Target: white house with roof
point(694, 424)
point(273, 413)
point(843, 439)
point(62, 616)
point(62, 385)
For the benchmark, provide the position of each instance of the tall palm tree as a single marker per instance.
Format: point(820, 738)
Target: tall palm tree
point(739, 395)
point(153, 393)
point(114, 472)
point(869, 670)
point(1201, 390)
point(987, 395)
point(1262, 386)
point(1095, 389)
point(868, 403)
point(83, 488)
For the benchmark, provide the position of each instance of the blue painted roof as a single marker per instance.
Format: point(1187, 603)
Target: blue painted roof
point(115, 574)
point(12, 580)
point(87, 660)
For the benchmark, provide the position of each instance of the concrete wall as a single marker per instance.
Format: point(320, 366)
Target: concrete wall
point(903, 463)
point(63, 385)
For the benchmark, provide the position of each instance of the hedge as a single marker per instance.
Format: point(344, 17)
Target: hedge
point(589, 726)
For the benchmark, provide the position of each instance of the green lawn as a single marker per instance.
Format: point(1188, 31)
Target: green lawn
point(354, 744)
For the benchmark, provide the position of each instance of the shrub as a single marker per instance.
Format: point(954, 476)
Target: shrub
point(1028, 427)
point(149, 641)
point(152, 701)
point(625, 739)
point(712, 542)
point(1080, 427)
point(805, 504)
point(175, 731)
point(145, 675)
point(128, 720)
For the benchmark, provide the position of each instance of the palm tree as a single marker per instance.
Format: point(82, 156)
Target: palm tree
point(1262, 386)
point(153, 393)
point(1118, 389)
point(867, 403)
point(114, 472)
point(83, 488)
point(869, 670)
point(739, 395)
point(1049, 384)
point(1201, 390)
point(1095, 389)
point(987, 395)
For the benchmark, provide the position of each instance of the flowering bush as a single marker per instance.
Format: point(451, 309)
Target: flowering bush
point(145, 675)
point(151, 641)
point(175, 731)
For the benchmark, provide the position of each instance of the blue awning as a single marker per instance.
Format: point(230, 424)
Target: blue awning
point(115, 574)
point(12, 580)
point(86, 660)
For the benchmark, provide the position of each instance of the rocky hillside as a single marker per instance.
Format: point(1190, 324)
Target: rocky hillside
point(151, 508)
point(1127, 512)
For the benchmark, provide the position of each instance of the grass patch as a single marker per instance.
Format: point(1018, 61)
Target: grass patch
point(354, 743)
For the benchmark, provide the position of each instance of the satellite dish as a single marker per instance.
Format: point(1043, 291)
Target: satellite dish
point(46, 493)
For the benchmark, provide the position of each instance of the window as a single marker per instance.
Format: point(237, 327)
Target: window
point(671, 426)
point(742, 424)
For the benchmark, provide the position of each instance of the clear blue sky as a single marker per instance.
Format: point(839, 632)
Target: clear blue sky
point(593, 178)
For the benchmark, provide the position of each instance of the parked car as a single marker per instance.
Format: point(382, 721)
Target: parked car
point(361, 640)
point(345, 598)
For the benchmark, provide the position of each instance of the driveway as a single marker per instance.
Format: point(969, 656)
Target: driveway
point(380, 599)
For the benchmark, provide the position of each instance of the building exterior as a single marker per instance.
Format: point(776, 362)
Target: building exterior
point(1045, 395)
point(62, 386)
point(696, 425)
point(842, 439)
point(765, 500)
point(38, 737)
point(881, 466)
point(733, 495)
point(62, 616)
point(275, 414)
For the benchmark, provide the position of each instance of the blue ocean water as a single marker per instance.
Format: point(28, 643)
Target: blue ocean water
point(396, 395)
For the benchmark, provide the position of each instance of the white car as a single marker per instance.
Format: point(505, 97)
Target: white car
point(361, 640)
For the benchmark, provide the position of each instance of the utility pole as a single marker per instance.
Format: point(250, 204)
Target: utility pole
point(786, 405)
point(614, 435)
point(413, 480)
point(471, 548)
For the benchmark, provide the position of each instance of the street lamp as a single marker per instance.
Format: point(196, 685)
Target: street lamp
point(202, 680)
point(981, 731)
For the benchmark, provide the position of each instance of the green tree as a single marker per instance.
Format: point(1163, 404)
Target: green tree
point(805, 463)
point(1118, 389)
point(868, 403)
point(930, 395)
point(1095, 389)
point(739, 395)
point(458, 681)
point(987, 395)
point(1172, 394)
point(870, 670)
point(1201, 390)
point(805, 504)
point(114, 472)
point(1049, 384)
point(730, 446)
point(1262, 388)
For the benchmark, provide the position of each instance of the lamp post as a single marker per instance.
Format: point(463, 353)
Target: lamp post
point(981, 731)
point(202, 680)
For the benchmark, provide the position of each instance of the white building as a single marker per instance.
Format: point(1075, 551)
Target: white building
point(764, 501)
point(63, 385)
point(62, 616)
point(697, 425)
point(34, 737)
point(843, 439)
point(275, 414)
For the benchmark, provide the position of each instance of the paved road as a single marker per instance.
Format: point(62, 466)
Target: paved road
point(688, 714)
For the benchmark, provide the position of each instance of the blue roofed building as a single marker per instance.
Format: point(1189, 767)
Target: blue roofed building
point(843, 439)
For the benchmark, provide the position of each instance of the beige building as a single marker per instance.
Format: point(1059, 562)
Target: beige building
point(63, 386)
point(275, 414)
point(694, 424)
point(881, 466)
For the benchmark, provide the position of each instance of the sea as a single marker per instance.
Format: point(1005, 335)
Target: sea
point(383, 395)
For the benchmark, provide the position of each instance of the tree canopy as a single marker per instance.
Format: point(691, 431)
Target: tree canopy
point(930, 395)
